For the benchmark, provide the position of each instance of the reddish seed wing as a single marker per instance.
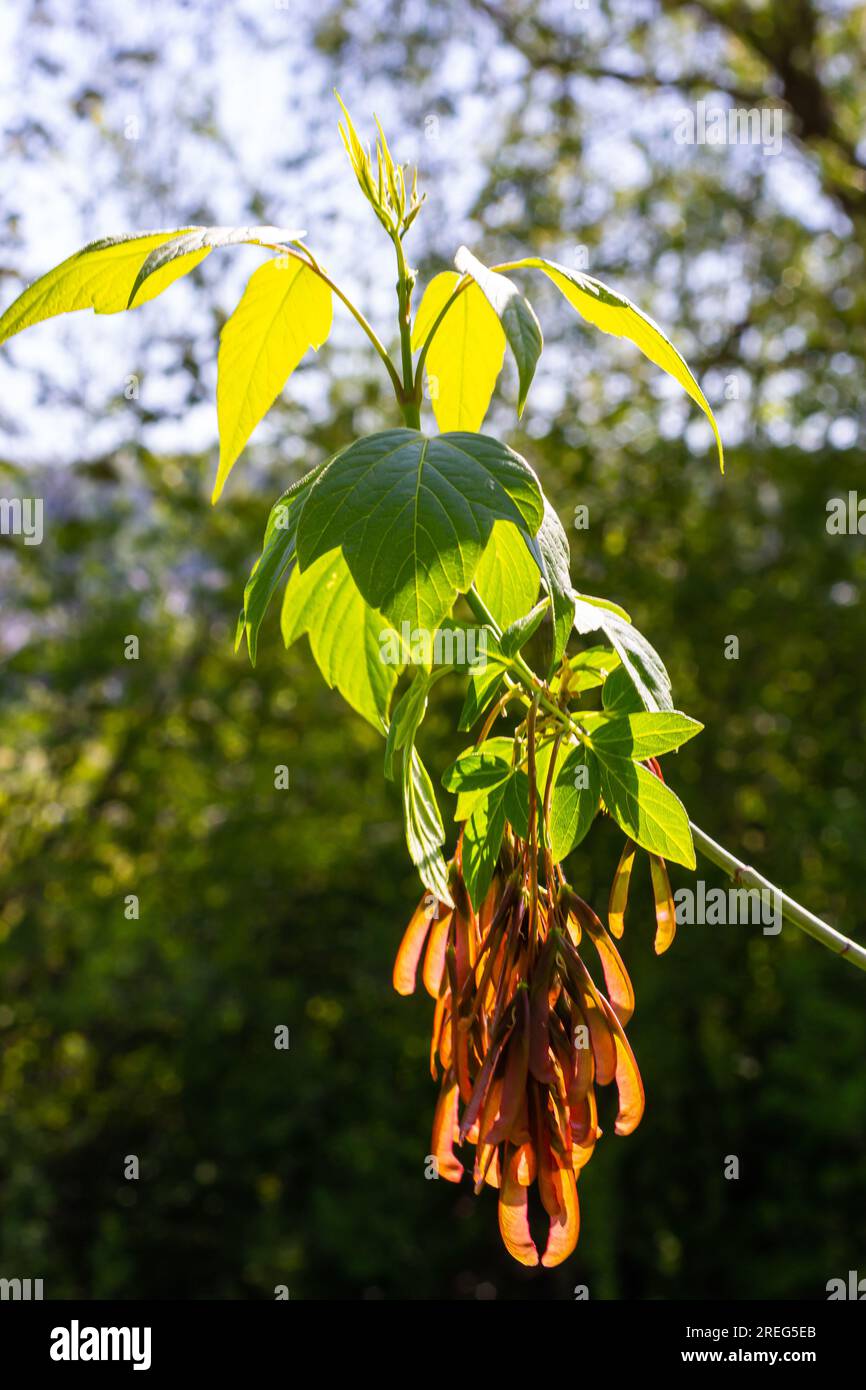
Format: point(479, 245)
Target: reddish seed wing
point(434, 958)
point(666, 916)
point(513, 1217)
point(582, 1076)
point(584, 1132)
point(438, 1020)
point(540, 1063)
point(482, 1083)
point(619, 890)
point(444, 1122)
point(525, 1165)
point(603, 1046)
point(619, 986)
point(487, 1155)
point(516, 1071)
point(550, 1187)
point(406, 963)
point(565, 1229)
point(628, 1079)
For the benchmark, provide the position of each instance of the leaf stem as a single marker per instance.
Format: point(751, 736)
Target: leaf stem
point(800, 916)
point(310, 261)
point(741, 873)
point(408, 394)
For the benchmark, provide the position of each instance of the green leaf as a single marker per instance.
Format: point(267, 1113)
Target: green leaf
point(457, 645)
point(642, 662)
point(482, 841)
point(465, 356)
point(604, 603)
point(646, 809)
point(408, 715)
point(642, 736)
point(198, 241)
point(285, 309)
point(518, 634)
point(277, 557)
point(344, 634)
point(425, 835)
point(589, 669)
point(484, 686)
point(613, 313)
point(515, 313)
point(517, 802)
point(507, 577)
point(99, 277)
point(619, 694)
point(476, 772)
point(412, 516)
point(573, 806)
point(549, 548)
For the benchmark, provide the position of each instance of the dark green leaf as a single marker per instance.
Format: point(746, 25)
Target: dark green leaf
point(482, 840)
point(643, 663)
point(646, 809)
point(425, 834)
point(277, 557)
point(549, 548)
point(519, 633)
point(642, 736)
point(574, 800)
point(413, 515)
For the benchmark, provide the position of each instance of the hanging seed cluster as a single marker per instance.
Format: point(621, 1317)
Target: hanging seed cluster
point(523, 1035)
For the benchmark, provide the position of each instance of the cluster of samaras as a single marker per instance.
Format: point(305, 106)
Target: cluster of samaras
point(523, 1035)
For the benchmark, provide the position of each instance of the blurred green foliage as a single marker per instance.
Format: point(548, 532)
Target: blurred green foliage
point(261, 907)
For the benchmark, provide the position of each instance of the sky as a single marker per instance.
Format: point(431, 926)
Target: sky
point(120, 117)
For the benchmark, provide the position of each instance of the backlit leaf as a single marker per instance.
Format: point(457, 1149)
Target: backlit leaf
point(465, 356)
point(507, 577)
point(613, 313)
point(643, 664)
point(285, 309)
point(515, 313)
point(344, 634)
point(549, 547)
point(642, 736)
point(646, 809)
point(619, 695)
point(573, 805)
point(100, 277)
point(198, 241)
point(482, 838)
point(425, 835)
point(413, 515)
point(277, 557)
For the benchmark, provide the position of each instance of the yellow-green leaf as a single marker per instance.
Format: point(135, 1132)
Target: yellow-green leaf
point(345, 634)
point(613, 313)
point(100, 277)
point(196, 240)
point(507, 577)
point(515, 313)
point(466, 353)
point(285, 309)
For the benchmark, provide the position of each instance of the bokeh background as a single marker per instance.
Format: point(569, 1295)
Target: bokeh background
point(542, 126)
